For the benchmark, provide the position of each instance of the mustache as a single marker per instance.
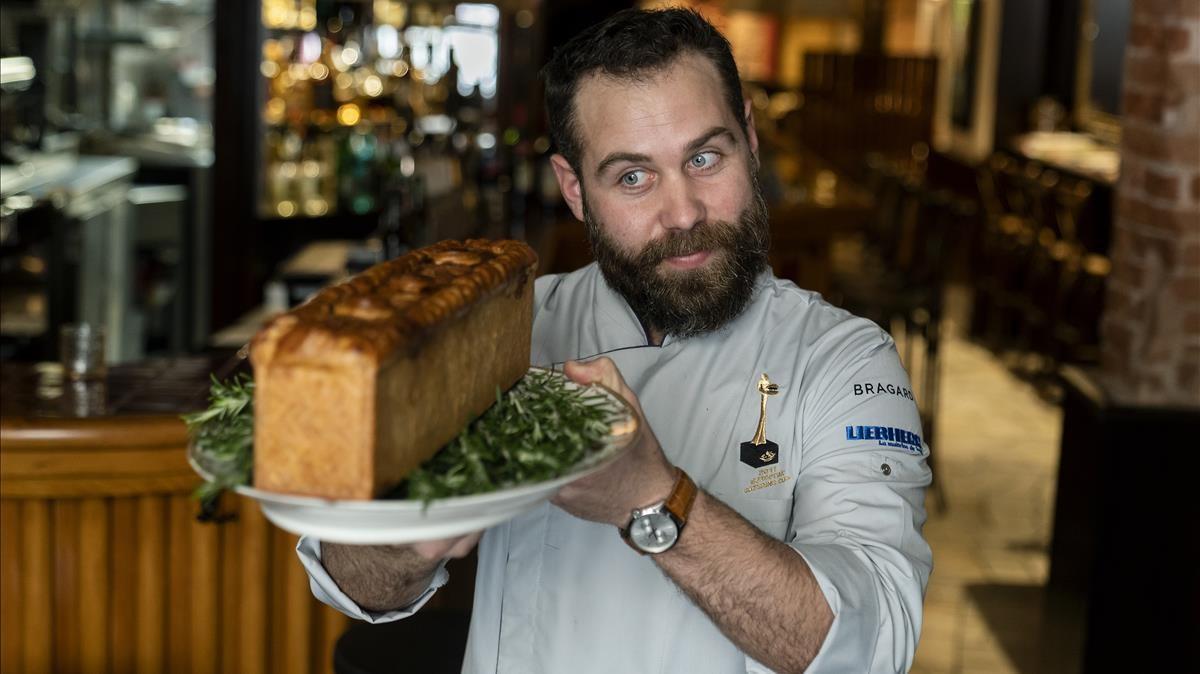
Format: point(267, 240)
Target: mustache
point(704, 236)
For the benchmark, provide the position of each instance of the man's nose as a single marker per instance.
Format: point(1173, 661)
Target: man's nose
point(682, 206)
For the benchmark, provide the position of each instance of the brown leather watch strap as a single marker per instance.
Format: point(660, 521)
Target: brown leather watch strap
point(678, 505)
point(683, 495)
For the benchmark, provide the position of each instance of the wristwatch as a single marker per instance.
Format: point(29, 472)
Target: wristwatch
point(656, 528)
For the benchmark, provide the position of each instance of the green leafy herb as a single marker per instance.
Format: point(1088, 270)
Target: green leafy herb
point(536, 431)
point(223, 437)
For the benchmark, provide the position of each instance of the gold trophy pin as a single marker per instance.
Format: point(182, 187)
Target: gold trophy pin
point(760, 451)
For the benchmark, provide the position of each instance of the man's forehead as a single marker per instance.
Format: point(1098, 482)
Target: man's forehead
point(665, 107)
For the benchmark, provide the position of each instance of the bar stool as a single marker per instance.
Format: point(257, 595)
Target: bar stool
point(1076, 333)
point(1043, 268)
point(1046, 295)
point(1037, 301)
point(1043, 201)
point(985, 267)
point(1012, 248)
point(1076, 214)
point(1013, 177)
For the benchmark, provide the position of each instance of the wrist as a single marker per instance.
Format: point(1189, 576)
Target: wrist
point(657, 527)
point(654, 488)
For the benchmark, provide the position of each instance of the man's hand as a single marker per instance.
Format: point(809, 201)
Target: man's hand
point(641, 476)
point(740, 577)
point(450, 548)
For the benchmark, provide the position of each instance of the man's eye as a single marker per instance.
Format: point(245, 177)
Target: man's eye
point(704, 160)
point(633, 178)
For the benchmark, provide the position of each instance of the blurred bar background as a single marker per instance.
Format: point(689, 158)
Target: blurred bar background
point(1012, 189)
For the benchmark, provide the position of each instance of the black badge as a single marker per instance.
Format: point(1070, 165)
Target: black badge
point(757, 456)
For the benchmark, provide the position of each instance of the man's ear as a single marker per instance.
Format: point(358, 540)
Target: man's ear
point(751, 133)
point(568, 182)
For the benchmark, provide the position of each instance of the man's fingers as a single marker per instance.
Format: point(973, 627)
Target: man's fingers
point(572, 492)
point(447, 547)
point(464, 545)
point(584, 373)
point(599, 371)
point(432, 549)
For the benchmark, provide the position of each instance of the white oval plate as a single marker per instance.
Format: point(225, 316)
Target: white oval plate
point(389, 522)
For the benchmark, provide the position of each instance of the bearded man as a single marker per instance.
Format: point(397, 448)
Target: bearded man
point(769, 515)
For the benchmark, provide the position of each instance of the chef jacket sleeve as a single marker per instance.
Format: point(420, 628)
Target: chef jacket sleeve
point(326, 590)
point(859, 501)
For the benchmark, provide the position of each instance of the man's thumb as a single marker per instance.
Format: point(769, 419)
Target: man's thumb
point(583, 372)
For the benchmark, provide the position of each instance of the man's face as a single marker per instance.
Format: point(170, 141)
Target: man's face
point(668, 189)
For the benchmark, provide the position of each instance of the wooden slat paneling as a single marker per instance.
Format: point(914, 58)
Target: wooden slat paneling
point(205, 627)
point(231, 595)
point(123, 610)
point(276, 659)
point(297, 606)
point(11, 619)
point(179, 586)
point(137, 584)
point(66, 558)
point(256, 583)
point(36, 595)
point(151, 584)
point(103, 567)
point(94, 583)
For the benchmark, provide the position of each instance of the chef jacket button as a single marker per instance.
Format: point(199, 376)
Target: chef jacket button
point(887, 470)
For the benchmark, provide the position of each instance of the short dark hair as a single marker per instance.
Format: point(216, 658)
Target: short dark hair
point(631, 44)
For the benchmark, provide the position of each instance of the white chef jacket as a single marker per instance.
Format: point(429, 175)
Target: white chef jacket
point(555, 593)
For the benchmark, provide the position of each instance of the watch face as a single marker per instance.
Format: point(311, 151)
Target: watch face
point(654, 532)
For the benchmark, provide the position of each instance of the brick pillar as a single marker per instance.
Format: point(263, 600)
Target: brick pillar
point(1151, 327)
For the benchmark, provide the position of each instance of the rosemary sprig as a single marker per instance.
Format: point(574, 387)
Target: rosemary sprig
point(223, 437)
point(537, 431)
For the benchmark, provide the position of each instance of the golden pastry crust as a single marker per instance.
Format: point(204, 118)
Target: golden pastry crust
point(393, 306)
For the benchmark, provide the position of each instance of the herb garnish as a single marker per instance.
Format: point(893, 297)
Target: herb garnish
point(223, 437)
point(537, 430)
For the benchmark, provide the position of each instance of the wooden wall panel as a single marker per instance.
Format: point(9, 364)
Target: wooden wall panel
point(123, 607)
point(254, 574)
point(205, 590)
point(94, 578)
point(277, 661)
point(297, 605)
point(231, 595)
point(11, 620)
point(36, 588)
point(149, 630)
point(179, 585)
point(65, 556)
point(114, 574)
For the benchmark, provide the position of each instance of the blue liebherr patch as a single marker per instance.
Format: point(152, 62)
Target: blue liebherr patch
point(887, 436)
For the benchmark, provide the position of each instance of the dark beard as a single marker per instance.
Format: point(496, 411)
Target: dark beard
point(685, 303)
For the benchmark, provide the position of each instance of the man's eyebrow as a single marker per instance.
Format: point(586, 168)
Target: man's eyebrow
point(615, 157)
point(709, 135)
point(634, 158)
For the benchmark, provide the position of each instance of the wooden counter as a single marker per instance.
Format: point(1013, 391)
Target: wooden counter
point(103, 564)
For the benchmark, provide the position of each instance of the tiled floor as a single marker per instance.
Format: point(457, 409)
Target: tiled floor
point(996, 451)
